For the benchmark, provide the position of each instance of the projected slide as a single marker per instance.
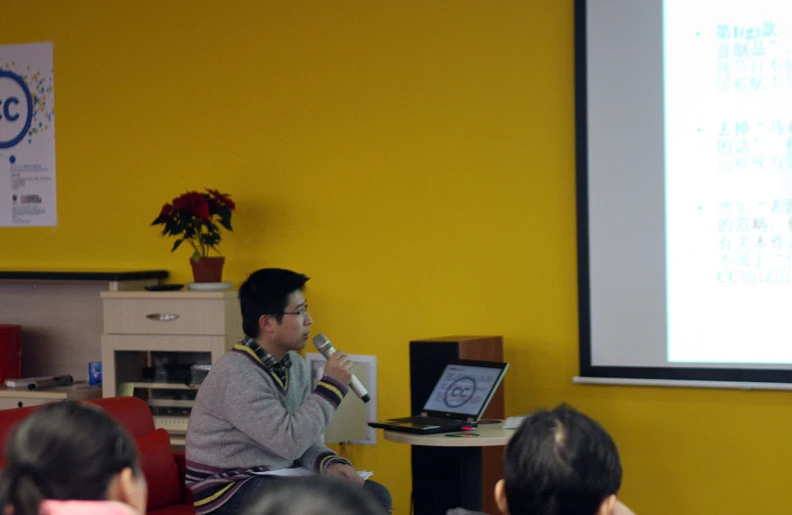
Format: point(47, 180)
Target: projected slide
point(728, 136)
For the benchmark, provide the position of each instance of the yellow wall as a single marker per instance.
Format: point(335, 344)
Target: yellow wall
point(416, 159)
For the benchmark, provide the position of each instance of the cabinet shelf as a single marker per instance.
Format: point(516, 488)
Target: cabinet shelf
point(171, 403)
point(151, 385)
point(174, 425)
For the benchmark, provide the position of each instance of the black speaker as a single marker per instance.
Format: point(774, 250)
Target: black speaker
point(437, 484)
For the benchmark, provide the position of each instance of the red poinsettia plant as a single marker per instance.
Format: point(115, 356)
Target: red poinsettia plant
point(196, 218)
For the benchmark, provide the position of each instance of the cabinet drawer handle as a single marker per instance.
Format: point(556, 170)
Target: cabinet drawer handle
point(162, 317)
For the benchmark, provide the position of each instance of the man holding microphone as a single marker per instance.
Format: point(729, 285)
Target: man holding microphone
point(256, 420)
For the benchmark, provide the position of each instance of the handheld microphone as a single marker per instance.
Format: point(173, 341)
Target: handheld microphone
point(324, 346)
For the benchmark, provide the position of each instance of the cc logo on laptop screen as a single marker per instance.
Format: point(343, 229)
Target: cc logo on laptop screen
point(460, 392)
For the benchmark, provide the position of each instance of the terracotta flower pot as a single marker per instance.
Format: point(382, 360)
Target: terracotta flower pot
point(208, 269)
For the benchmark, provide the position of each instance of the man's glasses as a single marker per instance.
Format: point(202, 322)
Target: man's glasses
point(301, 312)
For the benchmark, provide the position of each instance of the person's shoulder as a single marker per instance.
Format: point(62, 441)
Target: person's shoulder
point(53, 507)
point(230, 368)
point(621, 509)
point(232, 359)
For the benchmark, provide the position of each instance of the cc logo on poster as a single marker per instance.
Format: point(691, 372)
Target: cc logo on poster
point(16, 109)
point(460, 392)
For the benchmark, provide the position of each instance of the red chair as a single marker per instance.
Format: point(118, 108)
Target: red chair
point(163, 467)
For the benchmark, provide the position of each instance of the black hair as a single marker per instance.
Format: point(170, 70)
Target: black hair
point(315, 495)
point(560, 462)
point(266, 292)
point(64, 451)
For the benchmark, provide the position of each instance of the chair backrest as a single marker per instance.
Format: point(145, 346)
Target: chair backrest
point(131, 412)
point(154, 449)
point(8, 419)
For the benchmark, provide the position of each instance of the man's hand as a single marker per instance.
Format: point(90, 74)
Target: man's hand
point(339, 366)
point(344, 471)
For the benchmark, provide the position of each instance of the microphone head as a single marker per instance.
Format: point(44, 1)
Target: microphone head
point(321, 341)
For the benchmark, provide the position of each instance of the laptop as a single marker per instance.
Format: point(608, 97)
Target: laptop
point(458, 400)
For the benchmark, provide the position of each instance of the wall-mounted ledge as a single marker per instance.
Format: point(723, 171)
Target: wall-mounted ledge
point(82, 275)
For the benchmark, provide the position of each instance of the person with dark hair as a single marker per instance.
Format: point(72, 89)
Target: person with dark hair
point(315, 496)
point(256, 418)
point(69, 458)
point(560, 462)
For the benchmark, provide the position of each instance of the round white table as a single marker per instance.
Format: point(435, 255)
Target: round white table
point(485, 435)
point(448, 470)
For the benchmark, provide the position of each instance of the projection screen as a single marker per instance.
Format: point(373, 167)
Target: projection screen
point(684, 184)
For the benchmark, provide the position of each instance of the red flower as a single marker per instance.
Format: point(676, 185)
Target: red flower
point(196, 218)
point(222, 198)
point(197, 205)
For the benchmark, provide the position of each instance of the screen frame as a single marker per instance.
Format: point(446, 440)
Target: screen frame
point(725, 374)
point(494, 365)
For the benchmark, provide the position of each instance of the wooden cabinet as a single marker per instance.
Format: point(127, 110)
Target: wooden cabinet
point(159, 345)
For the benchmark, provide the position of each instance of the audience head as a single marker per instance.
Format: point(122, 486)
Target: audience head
point(315, 495)
point(559, 462)
point(70, 451)
point(266, 292)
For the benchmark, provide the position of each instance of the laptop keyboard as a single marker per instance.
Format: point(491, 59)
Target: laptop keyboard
point(429, 421)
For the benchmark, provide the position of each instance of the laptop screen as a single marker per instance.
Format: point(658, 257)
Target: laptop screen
point(465, 389)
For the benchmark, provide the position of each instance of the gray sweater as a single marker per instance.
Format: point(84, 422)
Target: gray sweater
point(243, 422)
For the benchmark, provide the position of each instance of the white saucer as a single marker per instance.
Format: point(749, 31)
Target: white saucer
point(209, 286)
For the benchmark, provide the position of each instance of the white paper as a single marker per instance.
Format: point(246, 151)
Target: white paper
point(513, 422)
point(27, 136)
point(290, 472)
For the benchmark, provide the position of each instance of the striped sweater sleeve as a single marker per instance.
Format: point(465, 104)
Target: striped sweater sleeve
point(331, 390)
point(318, 456)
